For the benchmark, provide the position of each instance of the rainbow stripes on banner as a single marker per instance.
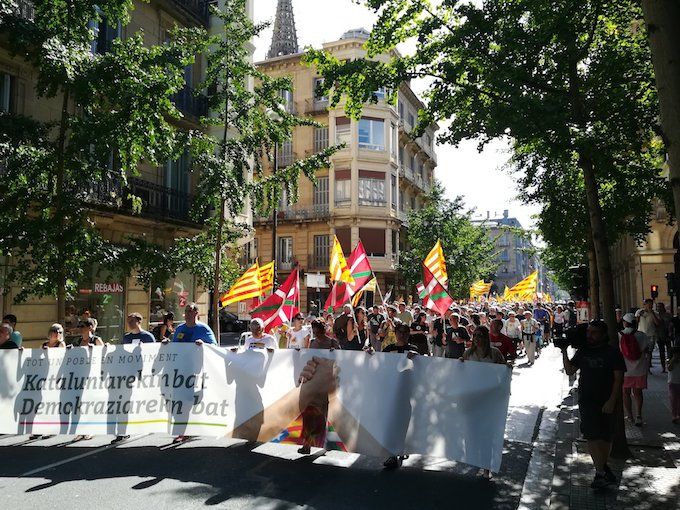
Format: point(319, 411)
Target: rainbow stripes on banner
point(436, 264)
point(248, 286)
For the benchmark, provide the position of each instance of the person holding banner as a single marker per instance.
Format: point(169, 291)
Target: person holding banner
point(55, 337)
point(193, 330)
point(259, 339)
point(87, 336)
point(6, 337)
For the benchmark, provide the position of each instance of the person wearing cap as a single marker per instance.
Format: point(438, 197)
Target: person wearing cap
point(55, 337)
point(635, 378)
point(136, 335)
point(259, 339)
point(298, 336)
point(530, 327)
point(193, 330)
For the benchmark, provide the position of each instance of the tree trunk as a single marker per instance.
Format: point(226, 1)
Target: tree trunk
point(663, 31)
point(216, 275)
point(593, 287)
point(59, 214)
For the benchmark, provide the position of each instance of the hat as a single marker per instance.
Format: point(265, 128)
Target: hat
point(629, 318)
point(257, 321)
point(392, 307)
point(512, 312)
point(527, 312)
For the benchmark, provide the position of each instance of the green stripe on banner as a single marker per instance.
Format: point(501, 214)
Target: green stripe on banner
point(362, 274)
point(441, 295)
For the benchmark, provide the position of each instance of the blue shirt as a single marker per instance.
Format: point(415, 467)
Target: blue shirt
point(541, 315)
point(200, 331)
point(142, 337)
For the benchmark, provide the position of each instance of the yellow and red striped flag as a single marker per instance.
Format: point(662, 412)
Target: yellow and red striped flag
point(436, 264)
point(338, 267)
point(526, 288)
point(248, 286)
point(267, 277)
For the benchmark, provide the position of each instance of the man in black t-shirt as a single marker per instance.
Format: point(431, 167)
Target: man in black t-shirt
point(440, 327)
point(374, 320)
point(601, 368)
point(456, 336)
point(419, 330)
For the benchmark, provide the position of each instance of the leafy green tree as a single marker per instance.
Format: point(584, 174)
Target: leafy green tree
point(567, 81)
point(114, 106)
point(250, 122)
point(468, 249)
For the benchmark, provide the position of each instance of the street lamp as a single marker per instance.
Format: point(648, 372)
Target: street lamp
point(275, 116)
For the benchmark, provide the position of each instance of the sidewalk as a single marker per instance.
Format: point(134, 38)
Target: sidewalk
point(648, 480)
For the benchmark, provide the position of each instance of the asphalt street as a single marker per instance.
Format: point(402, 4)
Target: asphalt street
point(148, 472)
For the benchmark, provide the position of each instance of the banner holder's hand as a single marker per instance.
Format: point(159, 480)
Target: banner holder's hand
point(199, 342)
point(165, 341)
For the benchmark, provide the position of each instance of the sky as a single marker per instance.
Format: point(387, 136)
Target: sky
point(464, 171)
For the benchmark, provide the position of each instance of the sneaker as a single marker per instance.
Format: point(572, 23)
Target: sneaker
point(305, 450)
point(638, 421)
point(118, 439)
point(392, 462)
point(600, 481)
point(33, 437)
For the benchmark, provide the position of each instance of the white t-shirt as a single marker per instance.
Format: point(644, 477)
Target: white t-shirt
point(296, 338)
point(559, 318)
point(266, 342)
point(512, 328)
point(646, 323)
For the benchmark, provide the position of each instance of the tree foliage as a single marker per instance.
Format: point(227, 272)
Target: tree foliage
point(115, 112)
point(468, 249)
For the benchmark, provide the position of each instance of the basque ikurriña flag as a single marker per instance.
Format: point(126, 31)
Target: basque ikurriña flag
point(436, 291)
point(282, 305)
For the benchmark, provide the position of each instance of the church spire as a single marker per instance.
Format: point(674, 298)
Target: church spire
point(284, 40)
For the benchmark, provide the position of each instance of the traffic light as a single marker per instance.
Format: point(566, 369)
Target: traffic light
point(579, 278)
point(654, 291)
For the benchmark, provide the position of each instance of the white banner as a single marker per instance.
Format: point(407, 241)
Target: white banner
point(381, 404)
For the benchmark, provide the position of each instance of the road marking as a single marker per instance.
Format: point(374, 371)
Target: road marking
point(78, 457)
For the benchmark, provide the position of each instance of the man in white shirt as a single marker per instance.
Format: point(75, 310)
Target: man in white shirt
point(260, 339)
point(529, 328)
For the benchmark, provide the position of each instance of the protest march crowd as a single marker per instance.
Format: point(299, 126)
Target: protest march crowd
point(487, 330)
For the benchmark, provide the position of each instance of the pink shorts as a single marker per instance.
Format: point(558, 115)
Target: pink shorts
point(635, 381)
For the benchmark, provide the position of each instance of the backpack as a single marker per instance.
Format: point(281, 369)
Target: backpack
point(630, 347)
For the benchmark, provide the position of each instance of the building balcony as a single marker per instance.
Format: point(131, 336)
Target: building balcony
point(315, 212)
point(315, 106)
point(157, 202)
point(197, 9)
point(190, 103)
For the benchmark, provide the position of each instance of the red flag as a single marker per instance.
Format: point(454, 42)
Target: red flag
point(359, 268)
point(282, 305)
point(340, 295)
point(438, 294)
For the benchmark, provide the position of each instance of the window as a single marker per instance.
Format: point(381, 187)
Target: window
point(286, 252)
point(320, 197)
point(395, 242)
point(104, 34)
point(321, 254)
point(343, 130)
point(393, 191)
point(6, 89)
point(171, 295)
point(381, 93)
point(393, 140)
point(412, 162)
point(401, 156)
point(322, 99)
point(320, 138)
point(343, 187)
point(288, 104)
point(373, 240)
point(285, 154)
point(372, 192)
point(401, 110)
point(372, 134)
point(401, 201)
point(177, 201)
point(413, 202)
point(411, 119)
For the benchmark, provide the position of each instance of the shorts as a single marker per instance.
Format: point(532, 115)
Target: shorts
point(596, 425)
point(546, 327)
point(635, 381)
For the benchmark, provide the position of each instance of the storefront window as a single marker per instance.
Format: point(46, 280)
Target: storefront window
point(173, 296)
point(101, 296)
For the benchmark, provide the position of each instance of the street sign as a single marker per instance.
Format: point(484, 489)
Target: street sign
point(317, 280)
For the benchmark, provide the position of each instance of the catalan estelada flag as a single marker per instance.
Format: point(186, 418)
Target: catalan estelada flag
point(436, 264)
point(338, 266)
point(248, 286)
point(267, 277)
point(526, 288)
